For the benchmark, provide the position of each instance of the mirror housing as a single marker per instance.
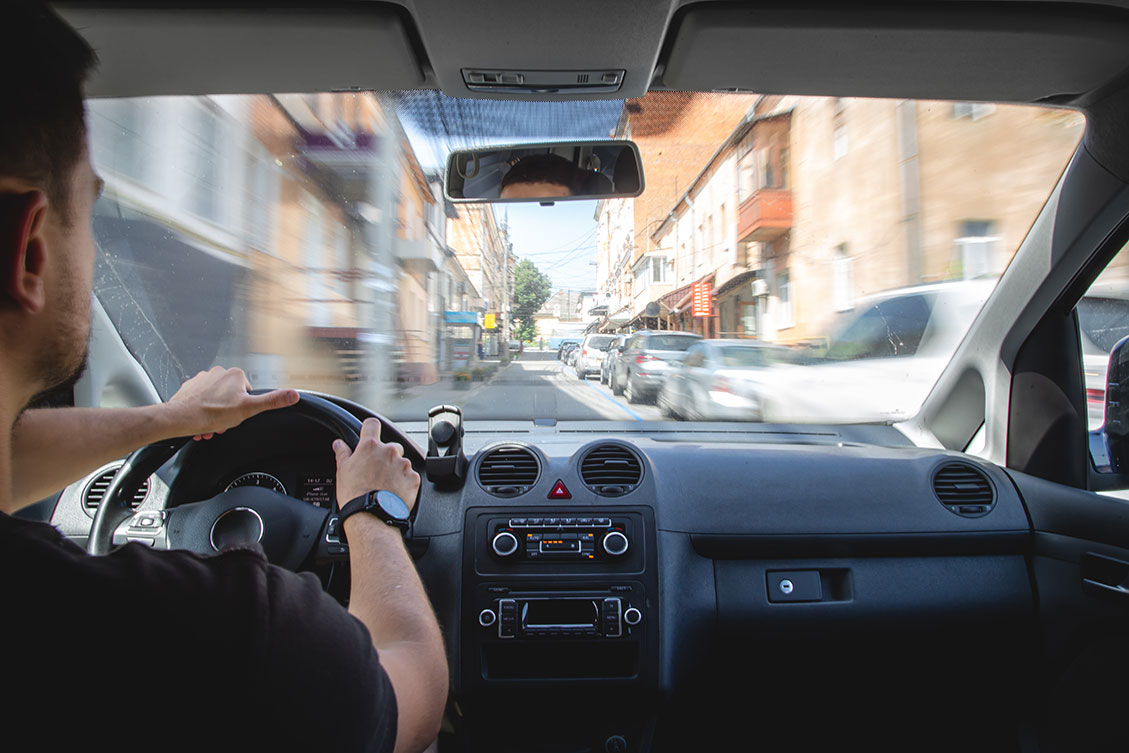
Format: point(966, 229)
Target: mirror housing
point(1109, 445)
point(547, 172)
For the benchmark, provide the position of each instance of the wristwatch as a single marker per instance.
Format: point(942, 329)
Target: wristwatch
point(383, 504)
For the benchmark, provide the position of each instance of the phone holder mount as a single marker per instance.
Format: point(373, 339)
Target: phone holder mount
point(446, 461)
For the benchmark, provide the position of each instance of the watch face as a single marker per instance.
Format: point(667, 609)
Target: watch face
point(393, 506)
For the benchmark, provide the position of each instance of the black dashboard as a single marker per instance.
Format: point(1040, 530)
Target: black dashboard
point(589, 577)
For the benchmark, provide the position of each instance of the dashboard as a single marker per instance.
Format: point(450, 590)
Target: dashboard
point(587, 577)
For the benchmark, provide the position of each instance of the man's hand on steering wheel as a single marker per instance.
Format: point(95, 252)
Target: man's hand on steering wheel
point(374, 466)
point(216, 400)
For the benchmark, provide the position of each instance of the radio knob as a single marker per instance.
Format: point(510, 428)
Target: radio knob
point(615, 543)
point(632, 616)
point(486, 617)
point(504, 544)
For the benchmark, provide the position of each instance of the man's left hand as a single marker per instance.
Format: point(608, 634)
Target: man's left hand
point(214, 401)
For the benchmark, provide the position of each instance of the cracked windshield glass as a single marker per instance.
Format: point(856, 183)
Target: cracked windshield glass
point(790, 258)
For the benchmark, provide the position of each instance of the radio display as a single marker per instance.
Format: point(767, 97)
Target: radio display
point(563, 613)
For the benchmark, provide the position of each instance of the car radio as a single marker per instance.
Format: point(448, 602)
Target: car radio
point(608, 612)
point(581, 539)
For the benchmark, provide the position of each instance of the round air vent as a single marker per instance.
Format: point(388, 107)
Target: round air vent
point(94, 492)
point(611, 470)
point(964, 489)
point(508, 471)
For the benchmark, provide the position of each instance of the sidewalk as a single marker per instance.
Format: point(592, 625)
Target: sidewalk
point(417, 400)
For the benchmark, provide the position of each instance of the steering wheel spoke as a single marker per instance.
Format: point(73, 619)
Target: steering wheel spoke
point(147, 528)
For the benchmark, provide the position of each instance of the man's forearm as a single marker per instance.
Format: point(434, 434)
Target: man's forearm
point(387, 596)
point(53, 447)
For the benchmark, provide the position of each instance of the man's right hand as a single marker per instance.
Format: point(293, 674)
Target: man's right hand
point(374, 466)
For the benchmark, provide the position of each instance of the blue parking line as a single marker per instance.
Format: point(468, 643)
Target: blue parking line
point(611, 400)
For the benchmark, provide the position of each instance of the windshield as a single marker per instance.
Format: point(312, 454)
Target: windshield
point(307, 239)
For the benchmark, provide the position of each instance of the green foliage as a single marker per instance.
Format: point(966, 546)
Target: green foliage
point(531, 289)
point(526, 331)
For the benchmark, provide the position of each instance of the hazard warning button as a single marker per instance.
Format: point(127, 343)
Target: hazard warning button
point(560, 491)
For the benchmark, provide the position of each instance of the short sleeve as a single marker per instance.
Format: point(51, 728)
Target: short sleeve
point(326, 685)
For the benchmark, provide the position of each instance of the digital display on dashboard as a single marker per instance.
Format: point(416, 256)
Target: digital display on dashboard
point(317, 489)
point(573, 613)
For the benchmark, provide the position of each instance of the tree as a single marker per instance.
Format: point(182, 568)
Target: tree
point(531, 289)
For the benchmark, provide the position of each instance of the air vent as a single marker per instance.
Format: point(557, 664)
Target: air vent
point(611, 470)
point(508, 471)
point(96, 490)
point(963, 489)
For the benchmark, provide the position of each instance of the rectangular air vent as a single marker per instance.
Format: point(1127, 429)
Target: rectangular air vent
point(496, 81)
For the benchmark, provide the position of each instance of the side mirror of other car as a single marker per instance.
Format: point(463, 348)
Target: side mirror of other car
point(551, 172)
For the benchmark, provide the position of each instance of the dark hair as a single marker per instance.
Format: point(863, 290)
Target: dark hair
point(541, 168)
point(43, 64)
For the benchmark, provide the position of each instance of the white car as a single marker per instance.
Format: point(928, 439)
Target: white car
point(896, 343)
point(590, 355)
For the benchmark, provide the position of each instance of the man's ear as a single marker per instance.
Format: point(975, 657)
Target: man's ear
point(23, 248)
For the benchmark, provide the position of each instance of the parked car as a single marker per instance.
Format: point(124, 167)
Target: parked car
point(717, 381)
point(1103, 320)
point(516, 346)
point(646, 360)
point(590, 357)
point(612, 352)
point(564, 347)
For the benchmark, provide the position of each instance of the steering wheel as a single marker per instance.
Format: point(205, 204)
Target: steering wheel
point(286, 528)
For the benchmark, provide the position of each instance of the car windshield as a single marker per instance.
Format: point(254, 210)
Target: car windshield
point(307, 238)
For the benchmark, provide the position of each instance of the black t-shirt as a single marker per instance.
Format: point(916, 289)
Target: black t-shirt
point(170, 650)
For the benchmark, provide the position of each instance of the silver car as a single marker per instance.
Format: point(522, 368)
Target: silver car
point(717, 381)
point(646, 360)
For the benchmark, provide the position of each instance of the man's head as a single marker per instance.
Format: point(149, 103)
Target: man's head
point(47, 192)
point(539, 176)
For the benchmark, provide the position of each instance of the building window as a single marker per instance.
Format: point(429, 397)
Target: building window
point(972, 110)
point(206, 186)
point(840, 140)
point(978, 248)
point(659, 266)
point(785, 293)
point(843, 278)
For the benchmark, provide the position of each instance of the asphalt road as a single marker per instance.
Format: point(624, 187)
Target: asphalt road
point(537, 385)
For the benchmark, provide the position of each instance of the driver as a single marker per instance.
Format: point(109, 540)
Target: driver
point(167, 650)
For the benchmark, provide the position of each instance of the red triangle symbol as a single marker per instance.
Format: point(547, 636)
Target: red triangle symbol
point(559, 491)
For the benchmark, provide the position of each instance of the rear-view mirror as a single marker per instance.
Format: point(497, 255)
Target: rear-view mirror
point(551, 172)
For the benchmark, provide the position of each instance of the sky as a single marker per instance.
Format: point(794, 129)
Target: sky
point(560, 240)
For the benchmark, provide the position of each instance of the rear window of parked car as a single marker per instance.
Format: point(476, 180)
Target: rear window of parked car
point(886, 329)
point(669, 342)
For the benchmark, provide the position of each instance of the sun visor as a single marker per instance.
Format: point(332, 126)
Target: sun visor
point(1018, 52)
point(225, 51)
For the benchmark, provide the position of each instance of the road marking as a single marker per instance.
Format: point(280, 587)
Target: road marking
point(613, 401)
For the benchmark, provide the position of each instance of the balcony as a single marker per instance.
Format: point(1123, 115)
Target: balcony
point(350, 157)
point(766, 215)
point(420, 253)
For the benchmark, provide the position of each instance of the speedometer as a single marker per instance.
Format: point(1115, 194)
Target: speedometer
point(265, 480)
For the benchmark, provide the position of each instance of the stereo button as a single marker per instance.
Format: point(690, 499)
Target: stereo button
point(615, 543)
point(504, 544)
point(486, 617)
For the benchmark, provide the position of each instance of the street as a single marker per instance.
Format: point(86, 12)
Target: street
point(536, 385)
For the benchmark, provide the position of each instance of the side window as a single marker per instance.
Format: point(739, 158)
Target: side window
point(886, 329)
point(1103, 319)
point(696, 356)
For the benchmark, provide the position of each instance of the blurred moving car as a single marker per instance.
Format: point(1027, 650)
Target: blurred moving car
point(612, 352)
point(647, 358)
point(717, 381)
point(590, 357)
point(893, 342)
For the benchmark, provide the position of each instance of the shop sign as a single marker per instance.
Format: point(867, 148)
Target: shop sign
point(702, 298)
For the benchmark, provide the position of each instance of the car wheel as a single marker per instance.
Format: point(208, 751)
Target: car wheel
point(617, 387)
point(632, 396)
point(581, 374)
